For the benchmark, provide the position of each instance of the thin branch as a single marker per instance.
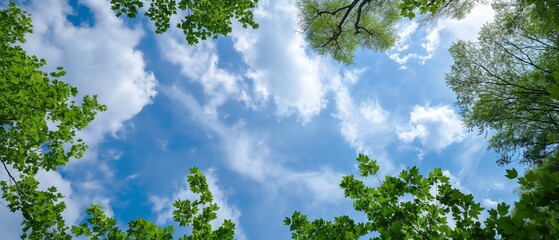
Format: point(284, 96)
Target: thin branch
point(10, 174)
point(357, 27)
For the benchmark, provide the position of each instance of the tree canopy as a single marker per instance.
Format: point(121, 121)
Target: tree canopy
point(508, 80)
point(412, 206)
point(339, 27)
point(39, 117)
point(202, 19)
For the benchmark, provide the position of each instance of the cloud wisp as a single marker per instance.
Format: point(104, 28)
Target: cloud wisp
point(251, 157)
point(92, 62)
point(409, 50)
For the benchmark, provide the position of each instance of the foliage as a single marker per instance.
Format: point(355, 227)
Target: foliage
point(409, 206)
point(202, 18)
point(39, 118)
point(339, 27)
point(454, 9)
point(412, 206)
point(536, 212)
point(508, 81)
point(408, 7)
point(197, 213)
point(546, 14)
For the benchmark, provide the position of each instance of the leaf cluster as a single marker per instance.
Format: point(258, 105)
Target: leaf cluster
point(408, 7)
point(39, 118)
point(402, 207)
point(413, 206)
point(195, 213)
point(508, 81)
point(536, 213)
point(202, 19)
point(339, 27)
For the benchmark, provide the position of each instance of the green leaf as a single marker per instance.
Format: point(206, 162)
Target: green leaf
point(511, 173)
point(554, 91)
point(36, 77)
point(503, 209)
point(287, 221)
point(32, 100)
point(201, 19)
point(455, 194)
point(367, 166)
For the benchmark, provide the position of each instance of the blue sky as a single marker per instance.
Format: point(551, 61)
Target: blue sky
point(273, 125)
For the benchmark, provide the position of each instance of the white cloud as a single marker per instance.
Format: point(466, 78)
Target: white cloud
point(361, 123)
point(279, 71)
point(364, 124)
point(245, 159)
point(372, 112)
point(431, 43)
point(435, 127)
point(321, 186)
point(200, 64)
point(249, 155)
point(467, 29)
point(497, 186)
point(94, 58)
point(164, 144)
point(405, 31)
point(488, 203)
point(402, 53)
point(279, 67)
point(409, 48)
point(132, 176)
